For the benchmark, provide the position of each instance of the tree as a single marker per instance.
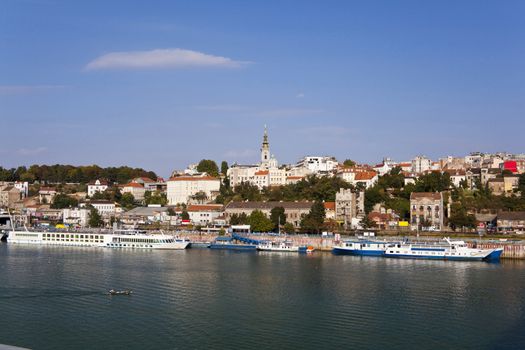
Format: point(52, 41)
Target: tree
point(208, 166)
point(349, 163)
point(459, 218)
point(95, 220)
point(366, 222)
point(224, 167)
point(171, 212)
point(185, 215)
point(200, 197)
point(314, 220)
point(259, 222)
point(127, 201)
point(278, 217)
point(155, 198)
point(239, 219)
point(62, 201)
point(289, 228)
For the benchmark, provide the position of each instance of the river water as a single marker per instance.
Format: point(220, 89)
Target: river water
point(54, 298)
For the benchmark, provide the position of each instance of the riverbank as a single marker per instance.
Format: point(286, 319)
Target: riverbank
point(512, 249)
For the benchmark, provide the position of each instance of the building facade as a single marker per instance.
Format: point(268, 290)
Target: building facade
point(181, 189)
point(426, 210)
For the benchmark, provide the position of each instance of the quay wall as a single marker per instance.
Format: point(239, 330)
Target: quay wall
point(511, 249)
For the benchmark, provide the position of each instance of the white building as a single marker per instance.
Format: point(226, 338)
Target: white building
point(104, 208)
point(23, 187)
point(356, 176)
point(420, 164)
point(266, 173)
point(182, 188)
point(136, 189)
point(205, 214)
point(318, 164)
point(97, 186)
point(75, 216)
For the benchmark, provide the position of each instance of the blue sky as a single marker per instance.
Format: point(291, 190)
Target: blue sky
point(160, 84)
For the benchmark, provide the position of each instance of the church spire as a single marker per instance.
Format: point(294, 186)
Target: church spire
point(265, 149)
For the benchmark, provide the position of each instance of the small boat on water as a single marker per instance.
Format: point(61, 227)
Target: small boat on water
point(361, 247)
point(120, 292)
point(451, 250)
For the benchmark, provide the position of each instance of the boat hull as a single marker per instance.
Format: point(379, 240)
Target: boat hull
point(241, 247)
point(344, 251)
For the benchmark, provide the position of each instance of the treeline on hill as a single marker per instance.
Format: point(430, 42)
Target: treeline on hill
point(311, 188)
point(59, 173)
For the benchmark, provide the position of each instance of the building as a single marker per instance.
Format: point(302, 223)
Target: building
point(496, 186)
point(97, 186)
point(206, 214)
point(457, 176)
point(23, 186)
point(104, 208)
point(136, 189)
point(145, 215)
point(329, 208)
point(294, 211)
point(75, 216)
point(359, 175)
point(266, 173)
point(181, 189)
point(421, 164)
point(318, 164)
point(511, 221)
point(9, 195)
point(426, 210)
point(46, 194)
point(349, 207)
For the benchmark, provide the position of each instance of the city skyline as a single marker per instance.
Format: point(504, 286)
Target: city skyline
point(163, 86)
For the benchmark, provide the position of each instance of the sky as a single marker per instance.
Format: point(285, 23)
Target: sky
point(161, 84)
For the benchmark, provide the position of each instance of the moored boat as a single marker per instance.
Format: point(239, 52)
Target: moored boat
point(361, 247)
point(283, 246)
point(117, 239)
point(451, 250)
point(228, 243)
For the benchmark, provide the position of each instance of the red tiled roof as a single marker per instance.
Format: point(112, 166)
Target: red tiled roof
point(261, 172)
point(294, 177)
point(433, 195)
point(367, 175)
point(329, 205)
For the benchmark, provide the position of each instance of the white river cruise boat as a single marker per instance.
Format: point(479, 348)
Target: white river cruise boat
point(117, 239)
point(451, 250)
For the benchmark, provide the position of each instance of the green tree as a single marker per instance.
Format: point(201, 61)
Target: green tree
point(95, 220)
point(349, 163)
point(367, 223)
point(224, 167)
point(288, 228)
point(208, 166)
point(185, 215)
point(171, 212)
point(314, 220)
point(239, 219)
point(155, 198)
point(278, 217)
point(127, 201)
point(200, 197)
point(62, 201)
point(459, 217)
point(259, 222)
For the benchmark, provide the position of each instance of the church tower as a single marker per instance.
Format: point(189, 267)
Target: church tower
point(265, 150)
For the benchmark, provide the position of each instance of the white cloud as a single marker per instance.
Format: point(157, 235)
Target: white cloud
point(300, 95)
point(161, 58)
point(23, 89)
point(31, 151)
